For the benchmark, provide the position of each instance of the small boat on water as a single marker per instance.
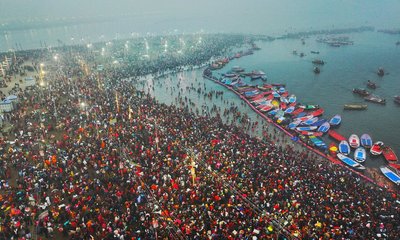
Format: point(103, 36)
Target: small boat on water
point(395, 166)
point(361, 91)
point(315, 52)
point(318, 61)
point(344, 147)
point(297, 111)
point(294, 124)
point(289, 110)
point(335, 120)
point(324, 127)
point(396, 99)
point(319, 122)
point(371, 85)
point(355, 106)
point(337, 136)
point(309, 106)
point(304, 118)
point(317, 112)
point(306, 128)
point(366, 140)
point(350, 162)
point(316, 70)
point(360, 155)
point(375, 99)
point(354, 141)
point(390, 174)
point(377, 148)
point(317, 142)
point(266, 108)
point(389, 154)
point(292, 98)
point(237, 69)
point(310, 121)
point(381, 72)
point(310, 133)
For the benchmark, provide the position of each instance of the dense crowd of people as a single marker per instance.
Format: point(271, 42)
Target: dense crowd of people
point(87, 161)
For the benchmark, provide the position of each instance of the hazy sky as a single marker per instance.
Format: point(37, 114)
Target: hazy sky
point(215, 15)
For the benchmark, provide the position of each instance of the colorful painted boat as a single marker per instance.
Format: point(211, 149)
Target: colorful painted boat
point(310, 121)
point(324, 128)
point(389, 154)
point(344, 147)
point(390, 174)
point(377, 148)
point(297, 111)
point(335, 120)
point(289, 110)
point(294, 124)
point(366, 140)
point(350, 162)
point(318, 112)
point(319, 122)
point(310, 133)
point(309, 106)
point(318, 142)
point(292, 98)
point(354, 141)
point(306, 128)
point(360, 155)
point(266, 108)
point(395, 166)
point(335, 135)
point(305, 118)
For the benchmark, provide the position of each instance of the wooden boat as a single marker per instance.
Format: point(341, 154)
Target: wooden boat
point(289, 110)
point(344, 147)
point(371, 85)
point(309, 106)
point(292, 98)
point(306, 128)
point(319, 122)
point(350, 162)
point(265, 87)
point(317, 142)
point(355, 106)
point(310, 133)
point(390, 174)
point(318, 62)
point(304, 118)
point(360, 155)
point(354, 141)
point(237, 69)
point(324, 127)
point(377, 148)
point(381, 72)
point(297, 111)
point(294, 124)
point(375, 99)
point(337, 136)
point(361, 91)
point(310, 121)
point(317, 112)
point(395, 166)
point(335, 120)
point(366, 140)
point(266, 108)
point(389, 154)
point(396, 99)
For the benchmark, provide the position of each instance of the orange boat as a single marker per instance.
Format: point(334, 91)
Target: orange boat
point(335, 135)
point(389, 154)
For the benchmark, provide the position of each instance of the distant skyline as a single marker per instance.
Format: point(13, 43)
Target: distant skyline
point(256, 16)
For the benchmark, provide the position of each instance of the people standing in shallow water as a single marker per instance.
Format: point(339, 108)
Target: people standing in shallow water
point(123, 169)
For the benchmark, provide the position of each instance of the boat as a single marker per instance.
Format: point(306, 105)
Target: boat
point(390, 174)
point(333, 149)
point(361, 91)
point(315, 52)
point(292, 98)
point(319, 122)
point(371, 85)
point(310, 133)
point(294, 124)
point(381, 72)
point(395, 166)
point(297, 111)
point(317, 112)
point(335, 120)
point(266, 108)
point(306, 128)
point(316, 70)
point(230, 75)
point(237, 69)
point(396, 99)
point(375, 99)
point(354, 141)
point(317, 142)
point(366, 140)
point(289, 110)
point(389, 154)
point(350, 162)
point(324, 127)
point(344, 147)
point(318, 61)
point(377, 148)
point(304, 118)
point(360, 155)
point(337, 136)
point(310, 121)
point(355, 106)
point(309, 106)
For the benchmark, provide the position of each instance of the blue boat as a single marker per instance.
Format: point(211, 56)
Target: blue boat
point(282, 90)
point(319, 122)
point(366, 140)
point(310, 121)
point(300, 115)
point(273, 112)
point(390, 174)
point(289, 110)
point(306, 128)
point(344, 147)
point(276, 95)
point(360, 155)
point(350, 162)
point(335, 120)
point(292, 98)
point(294, 124)
point(324, 127)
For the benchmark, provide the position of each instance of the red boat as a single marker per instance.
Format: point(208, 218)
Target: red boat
point(318, 112)
point(297, 111)
point(389, 154)
point(395, 166)
point(335, 135)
